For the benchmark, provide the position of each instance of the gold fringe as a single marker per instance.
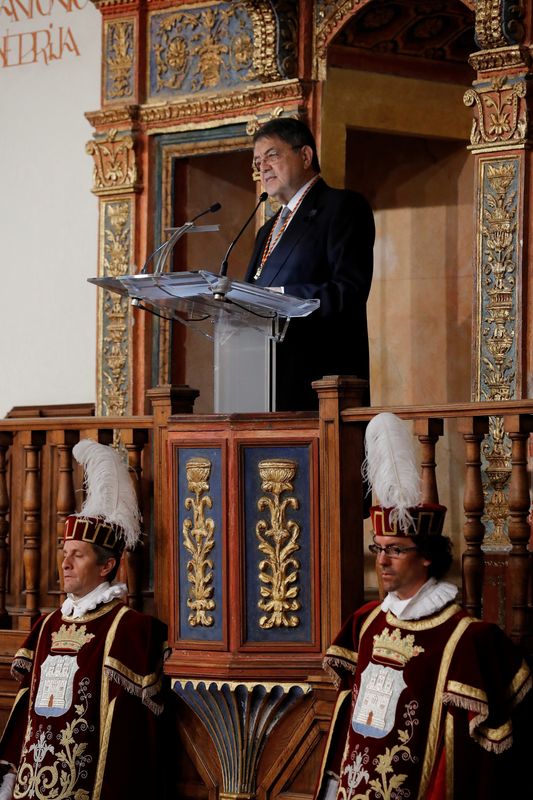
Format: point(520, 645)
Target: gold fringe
point(493, 740)
point(19, 666)
point(145, 693)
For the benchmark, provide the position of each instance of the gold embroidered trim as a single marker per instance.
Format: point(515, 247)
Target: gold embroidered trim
point(142, 681)
point(450, 744)
point(341, 652)
point(434, 725)
point(520, 685)
point(18, 698)
point(425, 624)
point(104, 745)
point(104, 684)
point(338, 705)
point(466, 691)
point(25, 653)
point(369, 620)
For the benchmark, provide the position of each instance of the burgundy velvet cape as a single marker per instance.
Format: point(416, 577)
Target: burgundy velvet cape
point(101, 741)
point(459, 724)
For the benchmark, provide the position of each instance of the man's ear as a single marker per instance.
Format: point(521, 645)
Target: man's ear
point(109, 565)
point(307, 155)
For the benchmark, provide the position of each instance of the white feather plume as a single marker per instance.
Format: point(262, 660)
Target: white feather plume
point(109, 490)
point(390, 466)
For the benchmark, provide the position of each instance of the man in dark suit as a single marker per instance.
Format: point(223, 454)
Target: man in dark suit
point(319, 245)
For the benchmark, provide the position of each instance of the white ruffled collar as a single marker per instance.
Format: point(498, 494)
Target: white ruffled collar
point(75, 607)
point(430, 598)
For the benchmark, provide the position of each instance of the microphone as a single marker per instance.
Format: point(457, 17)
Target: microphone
point(224, 266)
point(211, 209)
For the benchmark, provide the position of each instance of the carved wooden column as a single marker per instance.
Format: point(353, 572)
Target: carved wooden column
point(5, 443)
point(166, 401)
point(519, 429)
point(33, 442)
point(428, 432)
point(135, 441)
point(116, 151)
point(342, 502)
point(64, 441)
point(473, 430)
point(502, 322)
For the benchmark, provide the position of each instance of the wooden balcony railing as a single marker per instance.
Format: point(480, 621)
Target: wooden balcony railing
point(240, 480)
point(496, 582)
point(40, 485)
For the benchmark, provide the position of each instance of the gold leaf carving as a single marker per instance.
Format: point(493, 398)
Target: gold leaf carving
point(500, 112)
point(119, 59)
point(278, 541)
point(115, 168)
point(198, 540)
point(113, 396)
point(498, 23)
point(497, 369)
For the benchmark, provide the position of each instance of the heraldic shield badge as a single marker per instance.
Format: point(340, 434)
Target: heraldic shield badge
point(375, 710)
point(54, 696)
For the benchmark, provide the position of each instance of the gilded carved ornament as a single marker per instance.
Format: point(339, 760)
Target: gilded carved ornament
point(113, 388)
point(278, 541)
point(500, 113)
point(119, 60)
point(195, 111)
point(115, 168)
point(330, 16)
point(213, 47)
point(498, 23)
point(199, 540)
point(497, 329)
point(512, 57)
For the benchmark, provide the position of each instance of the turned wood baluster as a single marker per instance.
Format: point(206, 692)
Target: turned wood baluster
point(134, 558)
point(428, 432)
point(5, 442)
point(473, 430)
point(31, 525)
point(66, 498)
point(518, 428)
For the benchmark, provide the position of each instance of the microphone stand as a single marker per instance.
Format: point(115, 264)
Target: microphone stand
point(221, 287)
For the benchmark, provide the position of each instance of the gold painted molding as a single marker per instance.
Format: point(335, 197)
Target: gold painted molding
point(278, 541)
point(500, 112)
point(115, 168)
point(199, 540)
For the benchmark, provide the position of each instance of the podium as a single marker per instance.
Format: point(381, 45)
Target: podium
point(246, 323)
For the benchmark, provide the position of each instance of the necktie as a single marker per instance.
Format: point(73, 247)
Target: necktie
point(278, 226)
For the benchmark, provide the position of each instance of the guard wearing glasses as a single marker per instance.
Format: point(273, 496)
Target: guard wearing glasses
point(432, 703)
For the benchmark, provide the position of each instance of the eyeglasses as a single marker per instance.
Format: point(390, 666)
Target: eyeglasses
point(271, 156)
point(390, 550)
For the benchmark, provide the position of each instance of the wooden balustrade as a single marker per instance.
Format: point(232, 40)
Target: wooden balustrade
point(250, 461)
point(504, 598)
point(40, 484)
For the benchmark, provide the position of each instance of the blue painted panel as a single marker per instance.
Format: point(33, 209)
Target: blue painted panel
point(200, 49)
point(119, 61)
point(200, 632)
point(301, 633)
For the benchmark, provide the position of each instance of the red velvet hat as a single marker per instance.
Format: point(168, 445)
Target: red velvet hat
point(425, 519)
point(95, 531)
point(109, 516)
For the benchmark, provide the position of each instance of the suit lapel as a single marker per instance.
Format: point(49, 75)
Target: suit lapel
point(258, 249)
point(298, 227)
